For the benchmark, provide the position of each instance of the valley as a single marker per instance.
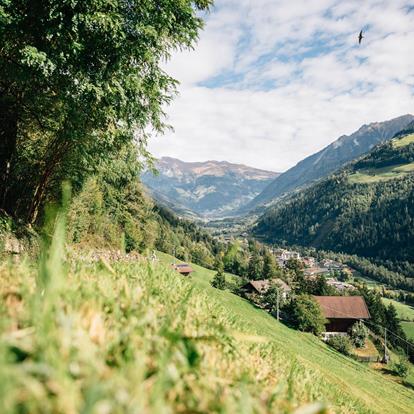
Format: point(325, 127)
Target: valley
point(209, 190)
point(206, 207)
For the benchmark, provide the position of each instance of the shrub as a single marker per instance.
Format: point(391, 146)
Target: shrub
point(219, 280)
point(358, 333)
point(306, 315)
point(401, 367)
point(341, 343)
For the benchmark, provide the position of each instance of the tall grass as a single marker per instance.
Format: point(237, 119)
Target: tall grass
point(79, 337)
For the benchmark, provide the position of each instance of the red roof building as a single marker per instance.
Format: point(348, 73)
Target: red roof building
point(342, 311)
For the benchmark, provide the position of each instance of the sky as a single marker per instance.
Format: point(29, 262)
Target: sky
point(273, 81)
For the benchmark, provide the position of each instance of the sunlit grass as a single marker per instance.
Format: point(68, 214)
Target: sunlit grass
point(140, 338)
point(405, 312)
point(408, 139)
point(375, 175)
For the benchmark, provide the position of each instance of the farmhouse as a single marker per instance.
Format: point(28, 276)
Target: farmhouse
point(182, 268)
point(259, 287)
point(342, 311)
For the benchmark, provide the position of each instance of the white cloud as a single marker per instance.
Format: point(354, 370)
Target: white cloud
point(287, 78)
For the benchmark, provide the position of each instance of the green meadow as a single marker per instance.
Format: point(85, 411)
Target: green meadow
point(374, 175)
point(130, 337)
point(405, 312)
point(402, 142)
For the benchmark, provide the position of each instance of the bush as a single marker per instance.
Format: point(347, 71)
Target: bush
point(306, 315)
point(358, 334)
point(219, 280)
point(341, 343)
point(401, 368)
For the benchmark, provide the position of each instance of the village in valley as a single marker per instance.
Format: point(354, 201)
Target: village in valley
point(335, 290)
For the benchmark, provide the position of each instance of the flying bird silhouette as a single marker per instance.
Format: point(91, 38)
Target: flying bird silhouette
point(360, 37)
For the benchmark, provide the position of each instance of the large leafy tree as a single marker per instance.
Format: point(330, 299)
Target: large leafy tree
point(78, 80)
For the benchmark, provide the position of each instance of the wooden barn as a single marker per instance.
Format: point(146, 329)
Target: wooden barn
point(342, 311)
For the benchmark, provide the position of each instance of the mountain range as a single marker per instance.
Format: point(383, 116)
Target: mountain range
point(209, 189)
point(319, 165)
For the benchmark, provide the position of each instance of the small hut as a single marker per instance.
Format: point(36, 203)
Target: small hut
point(183, 268)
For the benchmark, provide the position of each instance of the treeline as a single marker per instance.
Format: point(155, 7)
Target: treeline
point(371, 220)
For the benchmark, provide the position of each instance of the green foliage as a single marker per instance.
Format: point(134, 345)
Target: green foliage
point(219, 280)
point(271, 269)
point(358, 334)
point(273, 299)
point(401, 367)
point(112, 209)
point(78, 81)
point(341, 343)
point(306, 314)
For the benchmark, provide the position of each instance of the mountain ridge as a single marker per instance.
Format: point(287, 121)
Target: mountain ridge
point(334, 156)
point(209, 189)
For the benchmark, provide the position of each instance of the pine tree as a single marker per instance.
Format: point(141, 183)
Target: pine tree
point(219, 280)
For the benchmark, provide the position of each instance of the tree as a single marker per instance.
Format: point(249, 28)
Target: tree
point(270, 267)
point(255, 269)
point(306, 315)
point(320, 287)
point(78, 80)
point(273, 299)
point(219, 280)
point(358, 334)
point(393, 324)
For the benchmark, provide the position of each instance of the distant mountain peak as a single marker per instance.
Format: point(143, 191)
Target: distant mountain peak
point(210, 188)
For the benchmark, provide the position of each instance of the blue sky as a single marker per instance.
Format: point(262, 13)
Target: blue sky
point(272, 81)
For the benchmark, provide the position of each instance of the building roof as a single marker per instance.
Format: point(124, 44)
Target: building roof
point(182, 268)
point(263, 285)
point(260, 285)
point(343, 307)
point(284, 286)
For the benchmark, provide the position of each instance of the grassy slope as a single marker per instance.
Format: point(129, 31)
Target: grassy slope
point(408, 329)
point(141, 337)
point(344, 375)
point(402, 142)
point(374, 175)
point(405, 313)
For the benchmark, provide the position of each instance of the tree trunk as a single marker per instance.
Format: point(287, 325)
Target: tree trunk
point(57, 152)
point(8, 141)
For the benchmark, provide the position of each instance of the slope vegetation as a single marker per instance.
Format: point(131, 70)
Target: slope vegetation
point(331, 158)
point(102, 338)
point(364, 209)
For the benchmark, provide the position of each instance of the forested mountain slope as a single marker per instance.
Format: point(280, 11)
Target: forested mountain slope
point(366, 208)
point(334, 156)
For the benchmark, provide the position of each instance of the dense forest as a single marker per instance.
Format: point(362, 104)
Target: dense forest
point(365, 209)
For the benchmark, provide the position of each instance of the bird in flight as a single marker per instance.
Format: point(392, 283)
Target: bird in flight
point(360, 37)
